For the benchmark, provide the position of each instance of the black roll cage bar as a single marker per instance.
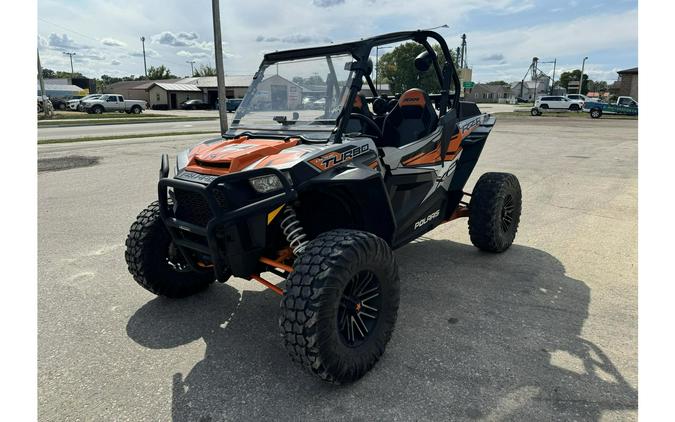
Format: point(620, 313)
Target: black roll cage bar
point(360, 50)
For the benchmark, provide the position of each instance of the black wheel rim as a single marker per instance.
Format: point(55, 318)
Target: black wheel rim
point(507, 213)
point(359, 310)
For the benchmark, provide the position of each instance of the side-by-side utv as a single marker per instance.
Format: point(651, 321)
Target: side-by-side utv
point(318, 184)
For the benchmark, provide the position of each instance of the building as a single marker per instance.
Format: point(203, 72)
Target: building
point(165, 95)
point(168, 94)
point(627, 84)
point(530, 89)
point(279, 93)
point(134, 90)
point(487, 93)
point(62, 90)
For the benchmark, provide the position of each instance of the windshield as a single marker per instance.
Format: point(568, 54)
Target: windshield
point(297, 96)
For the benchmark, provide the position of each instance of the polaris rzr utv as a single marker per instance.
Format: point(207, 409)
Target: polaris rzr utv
point(317, 183)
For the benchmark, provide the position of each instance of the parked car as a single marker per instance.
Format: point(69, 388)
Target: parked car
point(194, 105)
point(232, 104)
point(114, 102)
point(554, 103)
point(77, 103)
point(623, 105)
point(58, 103)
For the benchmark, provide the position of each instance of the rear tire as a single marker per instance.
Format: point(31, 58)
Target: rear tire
point(535, 112)
point(155, 263)
point(494, 211)
point(575, 107)
point(340, 305)
point(136, 110)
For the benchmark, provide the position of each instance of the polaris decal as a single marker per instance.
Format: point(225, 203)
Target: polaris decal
point(427, 219)
point(333, 158)
point(468, 126)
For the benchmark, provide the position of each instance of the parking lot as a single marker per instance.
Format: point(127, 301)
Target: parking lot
point(544, 331)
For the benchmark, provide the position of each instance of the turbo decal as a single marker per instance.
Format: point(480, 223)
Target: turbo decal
point(333, 158)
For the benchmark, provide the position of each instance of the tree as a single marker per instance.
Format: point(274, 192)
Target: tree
point(397, 68)
point(598, 86)
point(205, 70)
point(312, 80)
point(48, 73)
point(566, 77)
point(497, 83)
point(160, 72)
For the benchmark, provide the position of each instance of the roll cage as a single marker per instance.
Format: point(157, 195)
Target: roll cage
point(360, 50)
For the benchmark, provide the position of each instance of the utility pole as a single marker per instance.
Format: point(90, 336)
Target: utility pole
point(218, 42)
point(192, 67)
point(72, 72)
point(581, 78)
point(42, 87)
point(145, 65)
point(553, 78)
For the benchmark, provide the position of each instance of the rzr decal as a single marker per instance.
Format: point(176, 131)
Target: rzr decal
point(334, 158)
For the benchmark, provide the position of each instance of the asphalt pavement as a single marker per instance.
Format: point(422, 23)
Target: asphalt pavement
point(544, 331)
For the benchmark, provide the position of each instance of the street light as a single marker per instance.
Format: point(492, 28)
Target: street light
point(436, 27)
point(581, 78)
point(72, 72)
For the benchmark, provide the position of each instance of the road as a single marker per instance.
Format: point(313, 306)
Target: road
point(127, 129)
point(544, 331)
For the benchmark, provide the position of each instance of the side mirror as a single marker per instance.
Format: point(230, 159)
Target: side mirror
point(423, 61)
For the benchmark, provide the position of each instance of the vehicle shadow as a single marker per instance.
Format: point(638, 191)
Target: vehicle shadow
point(479, 336)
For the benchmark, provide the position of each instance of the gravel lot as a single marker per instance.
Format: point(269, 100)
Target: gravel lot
point(545, 331)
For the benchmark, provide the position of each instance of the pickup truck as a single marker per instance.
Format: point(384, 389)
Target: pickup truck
point(113, 102)
point(623, 105)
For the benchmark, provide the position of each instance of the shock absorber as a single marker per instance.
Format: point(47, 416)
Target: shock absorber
point(293, 231)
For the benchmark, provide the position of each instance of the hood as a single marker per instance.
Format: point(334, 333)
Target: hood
point(234, 155)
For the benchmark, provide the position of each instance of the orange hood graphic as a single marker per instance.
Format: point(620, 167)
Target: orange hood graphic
point(237, 154)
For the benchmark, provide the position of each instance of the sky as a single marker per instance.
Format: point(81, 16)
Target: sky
point(502, 35)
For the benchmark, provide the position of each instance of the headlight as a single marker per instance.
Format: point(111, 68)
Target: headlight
point(267, 183)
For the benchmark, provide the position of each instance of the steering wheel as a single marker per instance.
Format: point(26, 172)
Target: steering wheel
point(370, 122)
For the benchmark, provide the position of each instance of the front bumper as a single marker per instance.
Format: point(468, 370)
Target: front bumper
point(231, 230)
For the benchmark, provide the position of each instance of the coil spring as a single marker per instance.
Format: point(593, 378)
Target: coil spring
point(293, 231)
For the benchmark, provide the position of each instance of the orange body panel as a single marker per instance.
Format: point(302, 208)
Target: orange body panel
point(236, 154)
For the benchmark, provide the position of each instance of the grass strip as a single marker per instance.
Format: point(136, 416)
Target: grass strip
point(129, 136)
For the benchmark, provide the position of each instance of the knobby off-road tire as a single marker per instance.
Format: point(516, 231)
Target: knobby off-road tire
point(494, 211)
point(155, 264)
point(343, 276)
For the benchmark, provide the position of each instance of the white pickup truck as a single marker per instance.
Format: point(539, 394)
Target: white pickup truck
point(114, 102)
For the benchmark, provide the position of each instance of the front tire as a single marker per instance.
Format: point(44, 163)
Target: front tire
point(155, 263)
point(596, 113)
point(494, 211)
point(535, 112)
point(97, 110)
point(340, 305)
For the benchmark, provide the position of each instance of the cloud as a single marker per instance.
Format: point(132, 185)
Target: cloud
point(115, 62)
point(494, 57)
point(90, 55)
point(327, 3)
point(149, 52)
point(190, 54)
point(293, 39)
point(111, 42)
point(169, 38)
point(190, 36)
point(62, 41)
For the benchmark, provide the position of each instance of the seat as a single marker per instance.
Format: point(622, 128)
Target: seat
point(355, 125)
point(412, 118)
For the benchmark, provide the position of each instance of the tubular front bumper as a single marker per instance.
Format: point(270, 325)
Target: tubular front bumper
point(235, 236)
